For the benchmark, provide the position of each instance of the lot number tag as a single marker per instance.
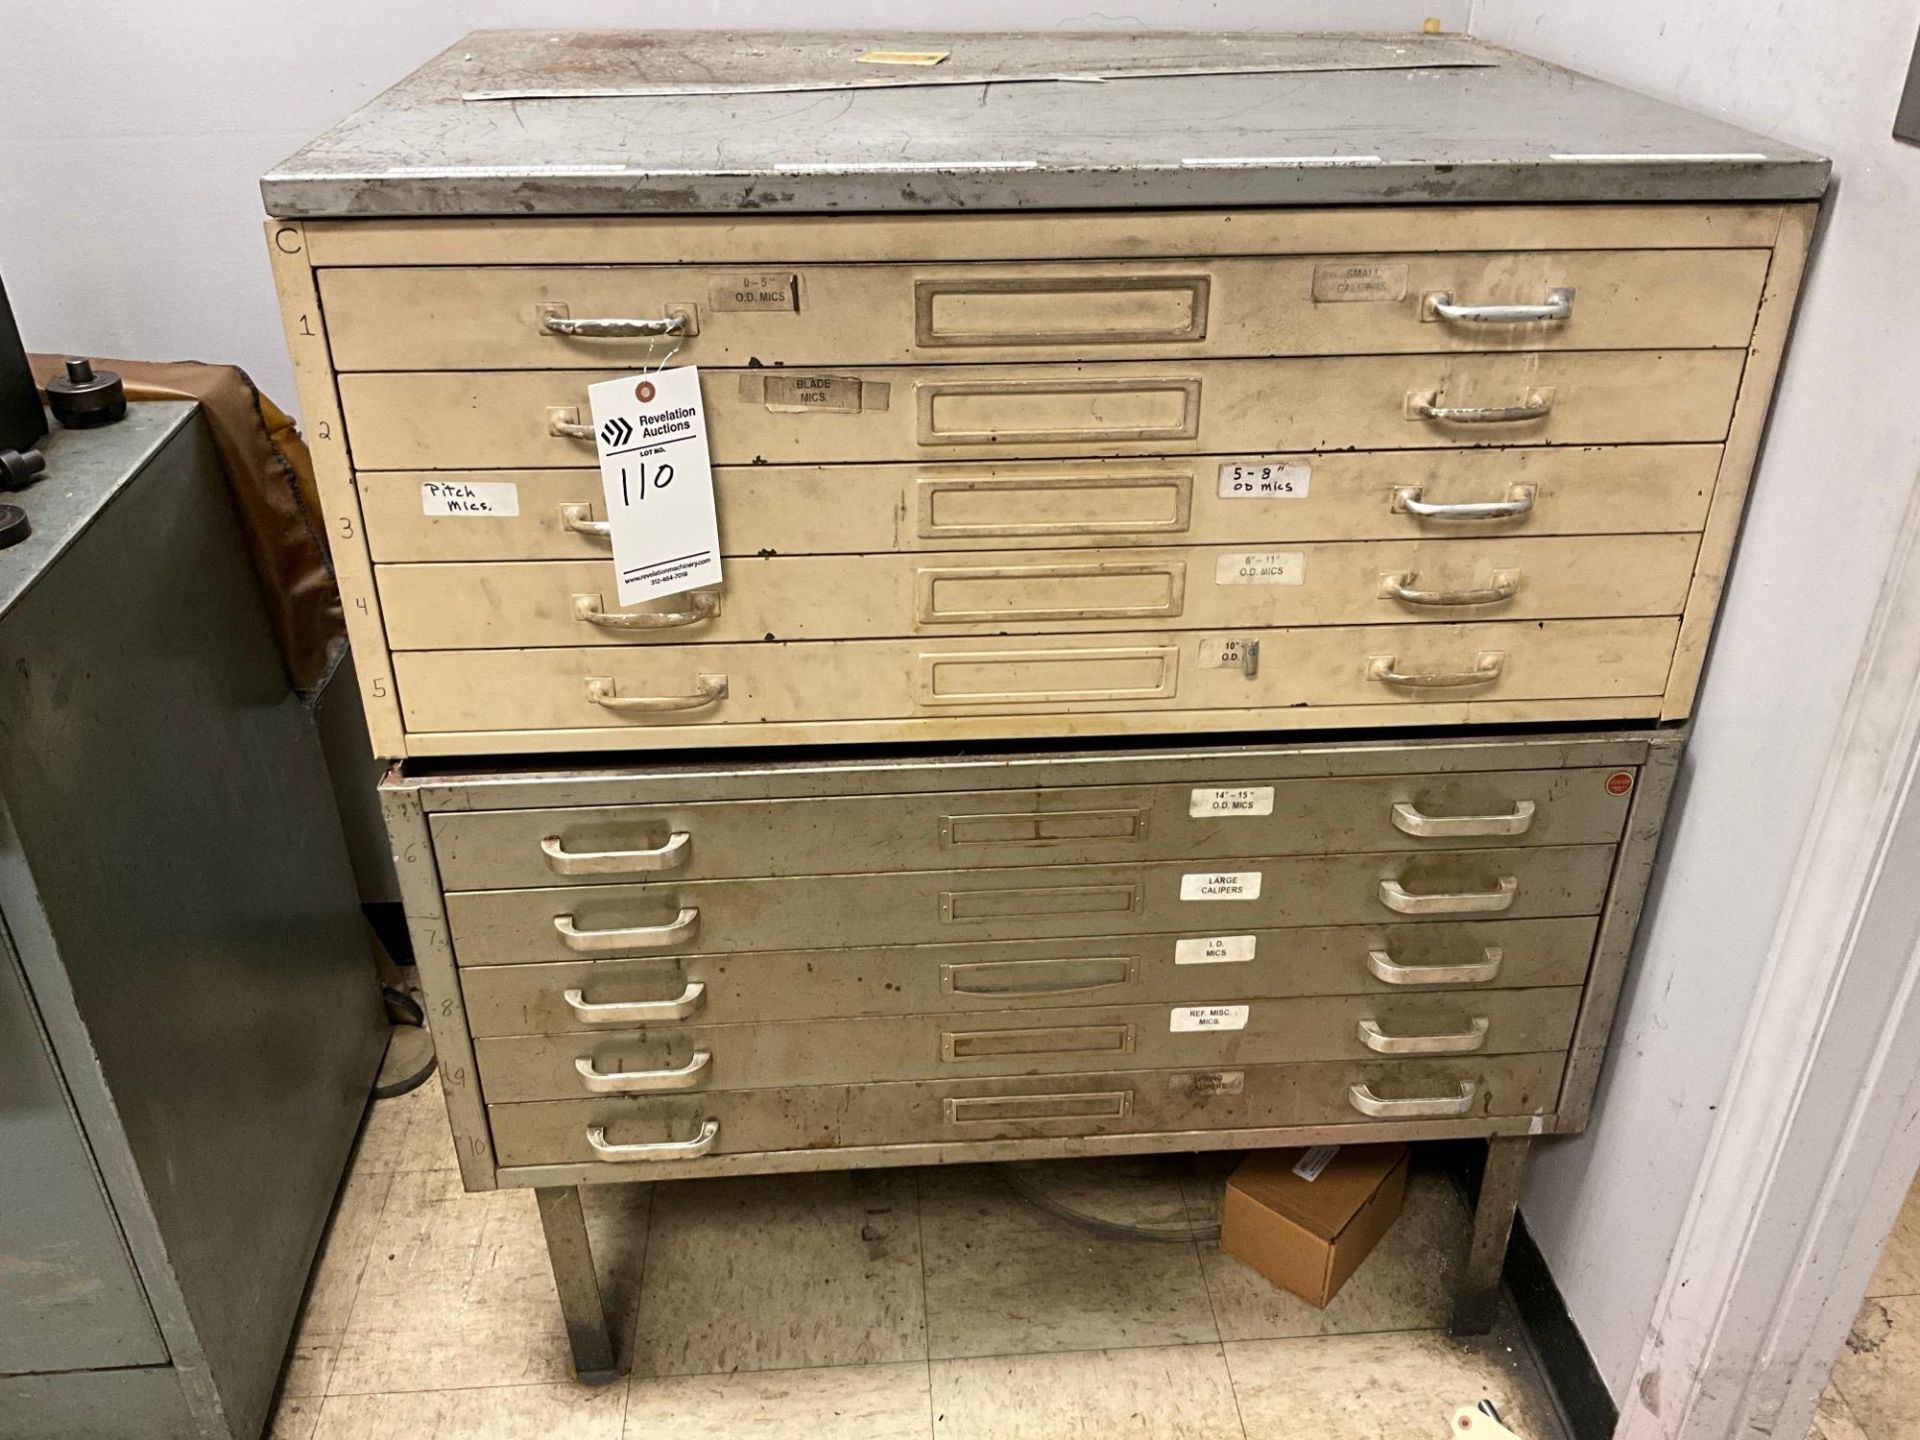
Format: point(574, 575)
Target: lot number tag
point(651, 432)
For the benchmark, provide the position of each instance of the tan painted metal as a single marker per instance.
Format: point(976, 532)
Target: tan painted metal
point(498, 317)
point(506, 418)
point(1053, 504)
point(829, 597)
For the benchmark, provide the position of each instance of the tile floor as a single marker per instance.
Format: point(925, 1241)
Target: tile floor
point(1874, 1393)
point(886, 1305)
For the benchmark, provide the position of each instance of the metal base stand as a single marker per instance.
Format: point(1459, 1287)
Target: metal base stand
point(1476, 1302)
point(571, 1256)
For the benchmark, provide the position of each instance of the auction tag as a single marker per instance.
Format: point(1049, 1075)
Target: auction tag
point(1221, 885)
point(652, 436)
point(1209, 1017)
point(1214, 949)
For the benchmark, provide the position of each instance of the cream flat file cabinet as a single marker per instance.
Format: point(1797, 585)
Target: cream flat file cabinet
point(718, 969)
point(1378, 383)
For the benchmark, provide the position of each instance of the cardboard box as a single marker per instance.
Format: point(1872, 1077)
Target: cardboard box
point(1309, 1235)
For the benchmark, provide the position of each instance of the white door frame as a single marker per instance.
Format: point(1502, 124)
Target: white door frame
point(1818, 1135)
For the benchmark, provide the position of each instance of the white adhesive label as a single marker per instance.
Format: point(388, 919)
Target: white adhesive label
point(1221, 885)
point(1227, 652)
point(1309, 1165)
point(1260, 567)
point(1260, 477)
point(497, 498)
point(1230, 800)
point(651, 431)
point(1214, 949)
point(1209, 1017)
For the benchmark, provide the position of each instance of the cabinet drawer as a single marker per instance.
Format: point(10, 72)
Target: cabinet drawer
point(517, 317)
point(436, 420)
point(985, 505)
point(831, 1051)
point(924, 1112)
point(558, 603)
point(506, 849)
point(1025, 975)
point(719, 685)
point(504, 927)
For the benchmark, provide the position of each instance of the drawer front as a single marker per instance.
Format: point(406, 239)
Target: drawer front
point(980, 505)
point(509, 849)
point(851, 1051)
point(494, 419)
point(517, 317)
point(943, 1111)
point(1026, 975)
point(505, 927)
point(484, 606)
point(717, 685)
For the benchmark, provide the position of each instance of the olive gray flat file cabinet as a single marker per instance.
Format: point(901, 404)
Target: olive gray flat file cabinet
point(1388, 391)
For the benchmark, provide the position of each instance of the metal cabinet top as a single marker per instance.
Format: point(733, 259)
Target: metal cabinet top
point(515, 122)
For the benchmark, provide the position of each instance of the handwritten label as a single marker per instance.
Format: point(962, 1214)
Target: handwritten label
point(1214, 950)
point(499, 498)
point(1378, 281)
point(1259, 477)
point(651, 432)
point(1230, 800)
point(1261, 567)
point(1209, 1017)
point(753, 292)
point(1221, 885)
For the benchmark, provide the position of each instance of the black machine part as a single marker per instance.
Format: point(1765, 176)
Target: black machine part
point(85, 397)
point(20, 468)
point(22, 420)
point(14, 526)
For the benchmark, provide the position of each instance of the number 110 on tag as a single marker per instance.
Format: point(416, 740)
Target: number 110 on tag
point(651, 434)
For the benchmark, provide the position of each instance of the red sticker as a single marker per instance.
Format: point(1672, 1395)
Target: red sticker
point(1619, 783)
point(644, 391)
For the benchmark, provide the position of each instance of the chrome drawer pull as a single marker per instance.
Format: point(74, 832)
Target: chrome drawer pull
point(1362, 1098)
point(1479, 972)
point(1439, 306)
point(633, 1082)
point(670, 856)
point(1400, 587)
point(579, 520)
point(1394, 897)
point(1519, 501)
point(661, 1150)
point(600, 690)
point(563, 422)
point(1487, 666)
point(701, 605)
point(635, 1012)
point(681, 929)
point(1534, 405)
point(1413, 822)
point(1374, 1038)
point(554, 320)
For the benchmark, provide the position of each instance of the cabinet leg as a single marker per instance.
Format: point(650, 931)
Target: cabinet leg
point(572, 1260)
point(1476, 1302)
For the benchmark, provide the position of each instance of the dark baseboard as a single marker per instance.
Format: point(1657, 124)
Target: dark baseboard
point(1584, 1399)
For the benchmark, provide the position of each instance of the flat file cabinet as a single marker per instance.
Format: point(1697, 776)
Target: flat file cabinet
point(1338, 386)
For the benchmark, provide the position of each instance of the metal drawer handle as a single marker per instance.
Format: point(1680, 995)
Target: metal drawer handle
point(1487, 666)
point(636, 1012)
point(701, 605)
point(670, 856)
point(1413, 822)
point(1395, 897)
point(1519, 501)
point(632, 1082)
point(1474, 1037)
point(579, 519)
point(681, 929)
point(661, 1150)
point(1042, 987)
point(1362, 1098)
point(564, 421)
point(1534, 405)
point(1400, 587)
point(554, 320)
point(1439, 306)
point(600, 690)
point(1388, 972)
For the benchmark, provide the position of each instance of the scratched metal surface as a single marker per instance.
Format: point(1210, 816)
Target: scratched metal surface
point(1468, 123)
